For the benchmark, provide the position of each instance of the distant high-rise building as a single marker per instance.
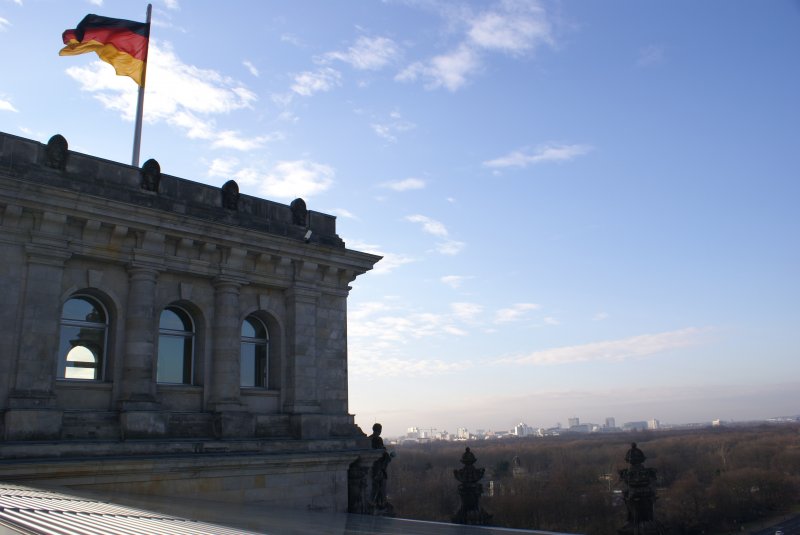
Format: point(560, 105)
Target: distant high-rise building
point(653, 424)
point(462, 433)
point(412, 432)
point(611, 422)
point(574, 422)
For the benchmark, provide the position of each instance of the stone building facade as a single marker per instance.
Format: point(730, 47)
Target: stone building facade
point(143, 314)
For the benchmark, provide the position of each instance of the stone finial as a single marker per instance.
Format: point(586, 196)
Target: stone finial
point(150, 174)
point(299, 212)
point(56, 152)
point(470, 490)
point(639, 495)
point(230, 195)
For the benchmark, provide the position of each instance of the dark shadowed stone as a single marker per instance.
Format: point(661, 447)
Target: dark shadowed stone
point(230, 195)
point(56, 152)
point(299, 212)
point(150, 175)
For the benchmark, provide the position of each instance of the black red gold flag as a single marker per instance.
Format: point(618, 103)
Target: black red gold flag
point(122, 43)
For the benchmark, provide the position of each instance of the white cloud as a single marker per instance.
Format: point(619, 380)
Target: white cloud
point(96, 2)
point(250, 67)
point(466, 311)
point(431, 226)
point(447, 70)
point(284, 180)
point(516, 312)
point(307, 83)
point(388, 263)
point(545, 153)
point(450, 247)
point(342, 212)
point(406, 184)
point(550, 320)
point(296, 178)
point(172, 4)
point(4, 24)
point(454, 281)
point(368, 53)
point(388, 130)
point(223, 167)
point(600, 316)
point(6, 105)
point(516, 28)
point(613, 350)
point(182, 95)
point(510, 27)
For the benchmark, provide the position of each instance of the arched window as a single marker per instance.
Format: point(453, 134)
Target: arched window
point(82, 343)
point(175, 346)
point(254, 364)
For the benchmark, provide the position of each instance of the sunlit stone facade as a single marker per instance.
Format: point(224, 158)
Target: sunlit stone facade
point(147, 314)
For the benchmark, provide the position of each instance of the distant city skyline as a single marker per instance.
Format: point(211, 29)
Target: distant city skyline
point(583, 208)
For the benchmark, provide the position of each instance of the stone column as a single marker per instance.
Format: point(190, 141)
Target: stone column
point(230, 419)
point(140, 411)
point(301, 399)
point(32, 413)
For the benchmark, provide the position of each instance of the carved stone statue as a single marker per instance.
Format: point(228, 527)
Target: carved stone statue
point(150, 175)
point(230, 195)
point(378, 501)
point(56, 152)
point(299, 212)
point(639, 495)
point(470, 490)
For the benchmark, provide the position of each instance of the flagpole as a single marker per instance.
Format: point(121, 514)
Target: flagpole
point(137, 134)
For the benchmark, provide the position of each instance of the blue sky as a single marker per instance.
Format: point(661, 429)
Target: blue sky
point(585, 208)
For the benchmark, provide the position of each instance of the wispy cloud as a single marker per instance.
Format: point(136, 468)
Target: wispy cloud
point(517, 27)
point(181, 95)
point(650, 55)
point(516, 312)
point(546, 153)
point(613, 350)
point(96, 2)
point(284, 180)
point(172, 4)
point(431, 226)
point(454, 281)
point(4, 24)
point(511, 27)
point(450, 247)
point(600, 316)
point(250, 67)
point(5, 105)
point(342, 212)
point(368, 53)
point(450, 70)
point(389, 129)
point(406, 184)
point(467, 312)
point(388, 263)
point(309, 82)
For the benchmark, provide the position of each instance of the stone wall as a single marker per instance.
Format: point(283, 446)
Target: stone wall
point(137, 241)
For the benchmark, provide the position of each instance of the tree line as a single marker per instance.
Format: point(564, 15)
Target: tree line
point(710, 480)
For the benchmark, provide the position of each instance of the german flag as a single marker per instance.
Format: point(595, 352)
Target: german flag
point(122, 43)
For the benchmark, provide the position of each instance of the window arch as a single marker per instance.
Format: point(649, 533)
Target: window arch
point(254, 363)
point(82, 339)
point(175, 346)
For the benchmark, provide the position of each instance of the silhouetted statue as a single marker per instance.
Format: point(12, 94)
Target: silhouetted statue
point(230, 195)
point(299, 212)
point(150, 175)
point(56, 152)
point(378, 501)
point(635, 456)
point(639, 495)
point(470, 490)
